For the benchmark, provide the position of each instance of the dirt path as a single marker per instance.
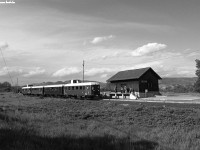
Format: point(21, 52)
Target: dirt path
point(166, 99)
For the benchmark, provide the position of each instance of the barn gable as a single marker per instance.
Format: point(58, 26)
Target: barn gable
point(132, 74)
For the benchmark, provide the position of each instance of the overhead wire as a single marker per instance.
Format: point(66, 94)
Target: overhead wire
point(6, 66)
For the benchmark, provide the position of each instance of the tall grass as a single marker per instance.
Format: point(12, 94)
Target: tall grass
point(73, 124)
point(17, 133)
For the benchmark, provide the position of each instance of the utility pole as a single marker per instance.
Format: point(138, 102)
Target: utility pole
point(83, 69)
point(17, 85)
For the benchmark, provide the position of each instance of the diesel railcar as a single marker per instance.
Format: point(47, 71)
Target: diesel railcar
point(74, 89)
point(87, 89)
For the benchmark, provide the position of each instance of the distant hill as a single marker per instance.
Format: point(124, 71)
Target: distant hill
point(180, 81)
point(177, 85)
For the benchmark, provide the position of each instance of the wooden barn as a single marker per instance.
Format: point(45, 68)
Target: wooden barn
point(144, 81)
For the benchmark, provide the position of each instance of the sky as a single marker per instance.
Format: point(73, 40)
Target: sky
point(47, 40)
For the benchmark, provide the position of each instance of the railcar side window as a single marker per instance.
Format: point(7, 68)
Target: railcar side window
point(80, 87)
point(72, 87)
point(69, 88)
point(77, 87)
point(83, 87)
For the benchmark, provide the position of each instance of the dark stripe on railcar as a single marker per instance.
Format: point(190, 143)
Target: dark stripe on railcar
point(37, 91)
point(53, 91)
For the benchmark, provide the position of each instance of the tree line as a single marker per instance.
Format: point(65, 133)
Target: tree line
point(178, 88)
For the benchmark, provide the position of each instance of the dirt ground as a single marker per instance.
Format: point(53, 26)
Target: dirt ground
point(168, 98)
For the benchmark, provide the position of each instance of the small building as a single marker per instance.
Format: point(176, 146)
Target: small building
point(144, 81)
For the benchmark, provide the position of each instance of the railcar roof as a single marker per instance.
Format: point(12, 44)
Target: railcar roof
point(56, 85)
point(82, 84)
point(60, 85)
point(32, 87)
point(27, 87)
point(35, 87)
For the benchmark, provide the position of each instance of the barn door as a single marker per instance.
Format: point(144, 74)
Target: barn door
point(144, 85)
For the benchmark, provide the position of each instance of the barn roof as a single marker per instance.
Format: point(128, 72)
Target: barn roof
point(131, 74)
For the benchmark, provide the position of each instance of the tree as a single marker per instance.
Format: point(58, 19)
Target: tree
point(197, 84)
point(6, 84)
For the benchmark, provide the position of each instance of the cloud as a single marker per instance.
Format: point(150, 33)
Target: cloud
point(66, 71)
point(104, 75)
point(148, 48)
point(193, 54)
point(36, 71)
point(186, 71)
point(95, 71)
point(101, 39)
point(4, 71)
point(113, 53)
point(156, 64)
point(3, 45)
point(104, 72)
point(173, 69)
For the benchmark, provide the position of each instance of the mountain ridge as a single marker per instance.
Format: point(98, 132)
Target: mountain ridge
point(178, 80)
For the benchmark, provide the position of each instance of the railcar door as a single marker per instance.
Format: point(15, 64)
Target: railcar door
point(95, 90)
point(87, 90)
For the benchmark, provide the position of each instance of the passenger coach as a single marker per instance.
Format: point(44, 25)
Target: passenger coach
point(74, 89)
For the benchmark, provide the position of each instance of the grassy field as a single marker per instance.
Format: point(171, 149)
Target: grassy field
point(54, 123)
